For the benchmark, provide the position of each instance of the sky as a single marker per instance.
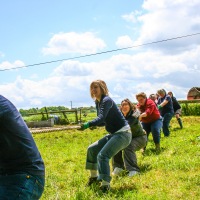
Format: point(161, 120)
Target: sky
point(63, 46)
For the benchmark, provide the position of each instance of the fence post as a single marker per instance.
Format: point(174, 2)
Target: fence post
point(46, 112)
point(80, 115)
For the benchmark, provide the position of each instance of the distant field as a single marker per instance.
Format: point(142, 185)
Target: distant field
point(173, 174)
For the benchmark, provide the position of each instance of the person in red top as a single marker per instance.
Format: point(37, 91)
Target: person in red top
point(150, 117)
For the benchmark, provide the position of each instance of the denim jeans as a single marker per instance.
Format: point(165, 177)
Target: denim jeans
point(166, 121)
point(100, 152)
point(130, 159)
point(21, 186)
point(154, 128)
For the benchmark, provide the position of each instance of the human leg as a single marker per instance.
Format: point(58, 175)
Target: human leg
point(155, 129)
point(117, 163)
point(93, 150)
point(116, 143)
point(177, 114)
point(117, 160)
point(147, 128)
point(130, 158)
point(166, 121)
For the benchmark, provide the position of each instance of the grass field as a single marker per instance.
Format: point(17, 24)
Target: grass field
point(172, 174)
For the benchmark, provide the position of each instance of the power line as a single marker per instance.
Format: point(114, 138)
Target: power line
point(103, 52)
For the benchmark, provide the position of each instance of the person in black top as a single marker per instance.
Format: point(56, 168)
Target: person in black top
point(177, 108)
point(165, 107)
point(22, 170)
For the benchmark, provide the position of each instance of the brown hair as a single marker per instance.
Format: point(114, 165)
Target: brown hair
point(132, 106)
point(102, 85)
point(141, 94)
point(170, 93)
point(161, 91)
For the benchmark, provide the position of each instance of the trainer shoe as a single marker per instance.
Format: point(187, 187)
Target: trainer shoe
point(117, 171)
point(92, 181)
point(132, 173)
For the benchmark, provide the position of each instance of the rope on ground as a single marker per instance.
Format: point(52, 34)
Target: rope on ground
point(46, 130)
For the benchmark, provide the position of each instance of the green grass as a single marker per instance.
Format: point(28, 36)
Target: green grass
point(172, 174)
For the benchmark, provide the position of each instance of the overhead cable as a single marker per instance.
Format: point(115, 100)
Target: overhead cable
point(102, 52)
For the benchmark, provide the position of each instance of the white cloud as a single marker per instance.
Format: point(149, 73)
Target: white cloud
point(132, 17)
point(8, 65)
point(84, 43)
point(124, 74)
point(165, 19)
point(124, 41)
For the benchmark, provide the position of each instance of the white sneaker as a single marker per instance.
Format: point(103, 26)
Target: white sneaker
point(132, 173)
point(117, 171)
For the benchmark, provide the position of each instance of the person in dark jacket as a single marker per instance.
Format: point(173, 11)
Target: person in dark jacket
point(139, 140)
point(118, 137)
point(22, 170)
point(177, 109)
point(165, 106)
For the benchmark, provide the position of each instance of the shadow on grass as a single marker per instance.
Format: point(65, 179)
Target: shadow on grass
point(145, 168)
point(117, 192)
point(153, 151)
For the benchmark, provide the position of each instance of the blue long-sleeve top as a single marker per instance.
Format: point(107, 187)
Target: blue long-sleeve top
point(109, 114)
point(18, 151)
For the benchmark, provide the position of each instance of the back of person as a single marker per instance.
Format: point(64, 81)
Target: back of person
point(18, 151)
point(168, 108)
point(22, 170)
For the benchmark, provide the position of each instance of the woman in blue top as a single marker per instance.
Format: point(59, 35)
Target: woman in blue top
point(118, 137)
point(165, 106)
point(22, 170)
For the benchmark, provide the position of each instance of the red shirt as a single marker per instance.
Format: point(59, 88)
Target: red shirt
point(151, 110)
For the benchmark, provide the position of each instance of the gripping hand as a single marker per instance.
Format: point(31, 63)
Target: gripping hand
point(136, 113)
point(159, 107)
point(84, 126)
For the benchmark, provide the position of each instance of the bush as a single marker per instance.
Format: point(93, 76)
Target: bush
point(190, 109)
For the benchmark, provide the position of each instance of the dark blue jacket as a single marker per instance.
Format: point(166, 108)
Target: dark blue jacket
point(168, 108)
point(108, 113)
point(18, 151)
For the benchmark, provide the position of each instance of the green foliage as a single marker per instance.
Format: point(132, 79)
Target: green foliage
point(171, 174)
point(190, 109)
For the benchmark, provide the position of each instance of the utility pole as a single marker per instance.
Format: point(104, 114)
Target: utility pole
point(71, 104)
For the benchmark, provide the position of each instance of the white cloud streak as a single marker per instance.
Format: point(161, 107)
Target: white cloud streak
point(83, 43)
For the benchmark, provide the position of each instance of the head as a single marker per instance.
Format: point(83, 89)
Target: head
point(153, 97)
point(170, 94)
point(97, 89)
point(161, 92)
point(141, 98)
point(126, 106)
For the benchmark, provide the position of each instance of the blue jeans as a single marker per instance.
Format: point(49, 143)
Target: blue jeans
point(100, 152)
point(166, 121)
point(130, 158)
point(21, 186)
point(154, 128)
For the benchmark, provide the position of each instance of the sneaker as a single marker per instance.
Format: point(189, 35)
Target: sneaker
point(117, 171)
point(132, 173)
point(92, 181)
point(105, 188)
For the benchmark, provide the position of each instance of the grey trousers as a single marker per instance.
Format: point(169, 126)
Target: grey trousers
point(130, 159)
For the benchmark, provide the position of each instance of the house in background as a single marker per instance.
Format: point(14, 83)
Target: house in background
point(194, 93)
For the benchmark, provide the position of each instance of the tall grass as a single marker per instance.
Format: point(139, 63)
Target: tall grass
point(172, 174)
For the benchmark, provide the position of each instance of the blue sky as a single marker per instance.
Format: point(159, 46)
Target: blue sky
point(42, 31)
